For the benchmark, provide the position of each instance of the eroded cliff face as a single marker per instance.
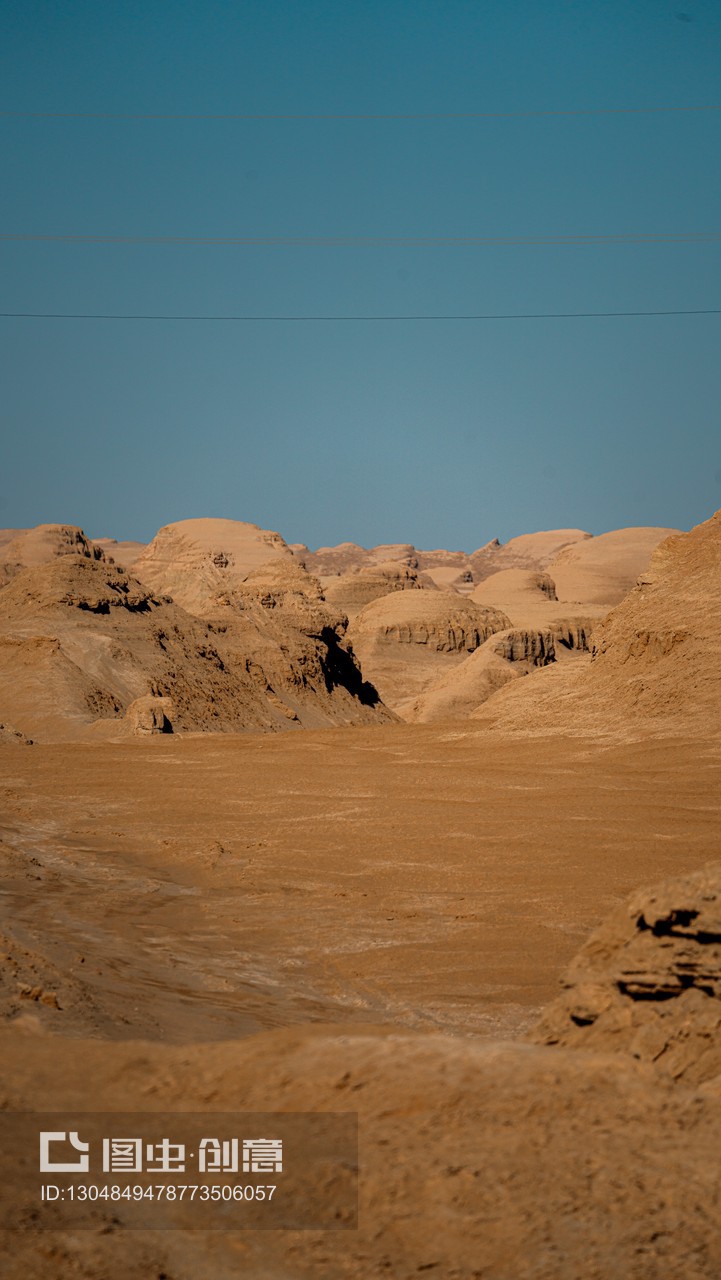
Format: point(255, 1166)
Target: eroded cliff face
point(407, 640)
point(648, 982)
point(351, 592)
point(441, 621)
point(519, 645)
point(654, 666)
point(31, 547)
point(278, 625)
point(81, 641)
point(658, 652)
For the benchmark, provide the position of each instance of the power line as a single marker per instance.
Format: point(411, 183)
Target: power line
point(531, 315)
point(375, 242)
point(410, 115)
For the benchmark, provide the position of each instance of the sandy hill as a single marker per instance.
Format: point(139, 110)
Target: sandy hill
point(285, 626)
point(549, 625)
point(45, 542)
point(195, 561)
point(655, 662)
point(540, 627)
point(527, 551)
point(529, 598)
point(406, 640)
point(457, 570)
point(603, 570)
point(544, 631)
point(352, 591)
point(81, 641)
point(456, 693)
point(123, 553)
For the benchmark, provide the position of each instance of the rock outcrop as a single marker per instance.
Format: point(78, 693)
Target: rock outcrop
point(352, 591)
point(9, 736)
point(80, 641)
point(407, 640)
point(648, 982)
point(31, 547)
point(150, 715)
point(197, 561)
point(279, 626)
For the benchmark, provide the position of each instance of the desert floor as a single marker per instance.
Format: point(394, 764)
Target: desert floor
point(388, 908)
point(429, 877)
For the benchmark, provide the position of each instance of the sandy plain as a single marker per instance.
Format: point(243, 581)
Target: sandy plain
point(423, 886)
point(203, 887)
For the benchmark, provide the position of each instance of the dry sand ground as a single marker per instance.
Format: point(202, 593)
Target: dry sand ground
point(396, 883)
point(203, 887)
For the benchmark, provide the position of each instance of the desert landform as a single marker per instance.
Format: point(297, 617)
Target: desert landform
point(431, 837)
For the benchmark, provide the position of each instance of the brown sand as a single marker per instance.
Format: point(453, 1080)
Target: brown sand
point(381, 874)
point(421, 889)
point(372, 919)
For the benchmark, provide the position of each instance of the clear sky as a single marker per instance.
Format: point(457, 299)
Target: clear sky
point(437, 432)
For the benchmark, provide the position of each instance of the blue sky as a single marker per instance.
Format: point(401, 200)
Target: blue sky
point(442, 433)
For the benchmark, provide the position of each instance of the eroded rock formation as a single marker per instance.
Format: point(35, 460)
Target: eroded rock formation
point(648, 982)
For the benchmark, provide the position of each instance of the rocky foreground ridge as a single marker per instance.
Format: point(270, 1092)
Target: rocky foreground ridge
point(648, 982)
